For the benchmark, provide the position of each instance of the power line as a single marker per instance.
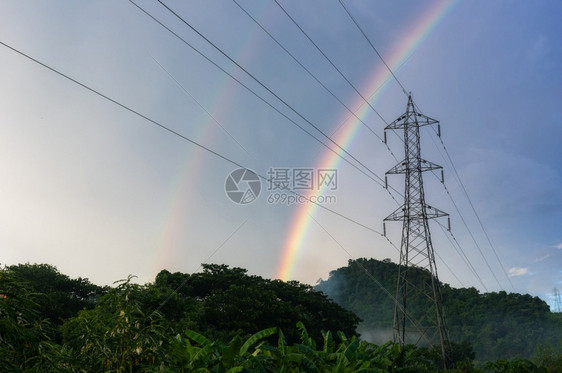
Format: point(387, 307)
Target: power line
point(210, 115)
point(453, 240)
point(380, 182)
point(369, 275)
point(201, 106)
point(473, 238)
point(265, 87)
point(313, 76)
point(463, 256)
point(260, 97)
point(406, 93)
point(455, 243)
point(123, 106)
point(389, 69)
point(457, 176)
point(372, 46)
point(330, 61)
point(176, 290)
point(449, 268)
point(233, 162)
point(168, 129)
point(450, 161)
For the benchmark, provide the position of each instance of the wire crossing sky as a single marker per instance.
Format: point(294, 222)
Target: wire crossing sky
point(90, 188)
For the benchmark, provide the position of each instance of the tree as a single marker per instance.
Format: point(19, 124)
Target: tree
point(22, 331)
point(58, 296)
point(234, 302)
point(117, 335)
point(498, 325)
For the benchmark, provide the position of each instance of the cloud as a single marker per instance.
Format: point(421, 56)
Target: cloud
point(542, 258)
point(559, 246)
point(518, 271)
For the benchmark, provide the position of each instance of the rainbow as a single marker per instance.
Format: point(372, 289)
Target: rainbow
point(376, 84)
point(176, 213)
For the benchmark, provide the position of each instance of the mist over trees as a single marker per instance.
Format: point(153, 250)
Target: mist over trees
point(498, 325)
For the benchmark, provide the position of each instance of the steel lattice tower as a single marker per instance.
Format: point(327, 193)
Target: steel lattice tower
point(416, 250)
point(557, 300)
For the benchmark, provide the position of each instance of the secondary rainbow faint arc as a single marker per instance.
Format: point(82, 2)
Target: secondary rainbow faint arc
point(177, 211)
point(378, 80)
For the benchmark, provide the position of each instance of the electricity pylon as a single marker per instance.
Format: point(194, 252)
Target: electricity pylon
point(416, 249)
point(557, 300)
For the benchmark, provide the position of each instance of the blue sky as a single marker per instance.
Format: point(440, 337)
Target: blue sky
point(102, 193)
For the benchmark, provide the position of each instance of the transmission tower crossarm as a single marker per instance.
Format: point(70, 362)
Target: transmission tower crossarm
point(400, 122)
point(397, 215)
point(433, 212)
point(429, 212)
point(401, 168)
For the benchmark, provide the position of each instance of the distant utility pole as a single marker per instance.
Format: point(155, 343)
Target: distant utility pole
point(557, 300)
point(416, 249)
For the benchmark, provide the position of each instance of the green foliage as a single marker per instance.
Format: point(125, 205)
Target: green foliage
point(197, 353)
point(21, 329)
point(116, 335)
point(58, 296)
point(226, 301)
point(144, 328)
point(204, 355)
point(514, 366)
point(498, 325)
point(549, 357)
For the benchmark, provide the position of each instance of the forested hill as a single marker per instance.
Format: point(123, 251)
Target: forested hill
point(497, 325)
